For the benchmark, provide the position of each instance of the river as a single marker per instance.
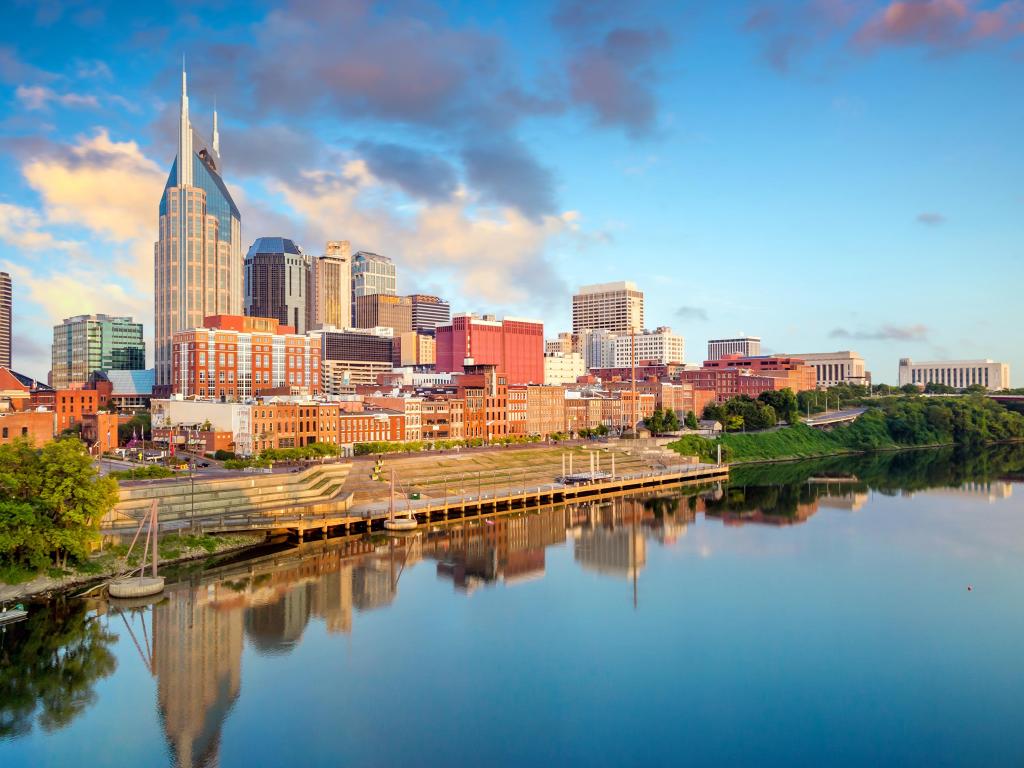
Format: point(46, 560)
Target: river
point(852, 611)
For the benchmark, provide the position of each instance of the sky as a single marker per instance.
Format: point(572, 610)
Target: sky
point(827, 175)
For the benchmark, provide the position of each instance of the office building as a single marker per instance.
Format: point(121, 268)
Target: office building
point(85, 344)
point(660, 346)
point(277, 282)
point(733, 375)
point(563, 367)
point(6, 319)
point(198, 255)
point(381, 310)
point(372, 273)
point(958, 374)
point(562, 345)
point(235, 357)
point(331, 287)
point(354, 357)
point(428, 312)
point(514, 345)
point(414, 349)
point(615, 307)
point(744, 346)
point(598, 348)
point(834, 368)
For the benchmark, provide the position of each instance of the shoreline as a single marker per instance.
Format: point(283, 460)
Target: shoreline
point(808, 457)
point(44, 587)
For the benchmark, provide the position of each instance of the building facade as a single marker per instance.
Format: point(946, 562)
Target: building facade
point(277, 282)
point(331, 287)
point(414, 349)
point(563, 367)
point(428, 312)
point(958, 374)
point(514, 345)
point(198, 254)
point(85, 344)
point(382, 310)
point(234, 357)
point(834, 368)
point(372, 273)
point(349, 358)
point(6, 319)
point(660, 346)
point(615, 307)
point(744, 346)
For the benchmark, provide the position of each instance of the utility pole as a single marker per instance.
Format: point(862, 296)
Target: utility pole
point(632, 366)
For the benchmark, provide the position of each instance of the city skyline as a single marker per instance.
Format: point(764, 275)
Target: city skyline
point(854, 213)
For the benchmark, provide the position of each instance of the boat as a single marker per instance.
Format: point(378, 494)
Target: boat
point(141, 585)
point(405, 523)
point(9, 616)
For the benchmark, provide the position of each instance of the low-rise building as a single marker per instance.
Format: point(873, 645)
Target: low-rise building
point(744, 346)
point(37, 426)
point(563, 368)
point(833, 368)
point(958, 374)
point(545, 410)
point(485, 393)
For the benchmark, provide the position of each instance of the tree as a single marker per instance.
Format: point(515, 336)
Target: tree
point(783, 401)
point(655, 422)
point(691, 420)
point(671, 421)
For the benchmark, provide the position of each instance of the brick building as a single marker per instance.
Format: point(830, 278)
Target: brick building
point(514, 346)
point(37, 426)
point(545, 410)
point(484, 391)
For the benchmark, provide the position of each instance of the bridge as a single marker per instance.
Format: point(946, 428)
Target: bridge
point(833, 418)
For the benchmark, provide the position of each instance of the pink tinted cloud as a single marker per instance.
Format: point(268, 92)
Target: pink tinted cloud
point(941, 25)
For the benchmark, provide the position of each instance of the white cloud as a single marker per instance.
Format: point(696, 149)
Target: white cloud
point(38, 97)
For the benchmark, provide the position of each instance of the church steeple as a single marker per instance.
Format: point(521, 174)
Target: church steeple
point(184, 135)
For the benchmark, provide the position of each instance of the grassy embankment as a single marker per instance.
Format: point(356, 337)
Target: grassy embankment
point(899, 423)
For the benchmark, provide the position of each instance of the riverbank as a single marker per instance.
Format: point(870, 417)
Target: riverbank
point(113, 560)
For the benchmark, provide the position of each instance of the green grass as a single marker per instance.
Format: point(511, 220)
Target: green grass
point(12, 573)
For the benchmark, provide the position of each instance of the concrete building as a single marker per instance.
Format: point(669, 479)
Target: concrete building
point(561, 345)
point(330, 290)
point(834, 368)
point(660, 346)
point(6, 319)
point(277, 282)
point(198, 255)
point(428, 312)
point(744, 346)
point(124, 391)
point(85, 344)
point(372, 273)
point(235, 357)
point(958, 374)
point(412, 349)
point(353, 357)
point(176, 413)
point(609, 306)
point(563, 367)
point(381, 310)
point(598, 348)
point(514, 345)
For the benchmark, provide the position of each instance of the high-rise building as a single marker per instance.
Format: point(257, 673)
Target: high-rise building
point(198, 256)
point(85, 344)
point(277, 282)
point(428, 312)
point(353, 357)
point(610, 306)
point(372, 273)
point(6, 302)
point(515, 346)
point(331, 287)
point(744, 346)
point(958, 374)
point(381, 310)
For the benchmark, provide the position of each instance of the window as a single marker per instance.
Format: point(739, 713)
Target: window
point(5, 433)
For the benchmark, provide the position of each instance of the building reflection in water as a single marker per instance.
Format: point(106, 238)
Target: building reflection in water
point(199, 629)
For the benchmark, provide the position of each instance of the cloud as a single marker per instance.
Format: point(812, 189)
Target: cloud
point(941, 25)
point(692, 313)
point(886, 332)
point(504, 171)
point(39, 97)
point(421, 174)
point(930, 219)
point(13, 70)
point(790, 31)
point(24, 229)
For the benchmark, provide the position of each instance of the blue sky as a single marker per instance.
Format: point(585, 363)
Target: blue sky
point(827, 175)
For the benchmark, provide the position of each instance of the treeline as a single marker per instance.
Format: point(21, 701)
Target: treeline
point(744, 413)
point(51, 502)
point(895, 422)
point(415, 446)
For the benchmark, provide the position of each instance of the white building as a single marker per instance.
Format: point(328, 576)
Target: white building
point(958, 374)
point(744, 346)
point(561, 345)
point(660, 346)
point(837, 368)
point(598, 348)
point(609, 306)
point(563, 368)
point(235, 418)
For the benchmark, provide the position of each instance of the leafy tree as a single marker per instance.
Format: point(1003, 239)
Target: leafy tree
point(783, 401)
point(691, 420)
point(935, 388)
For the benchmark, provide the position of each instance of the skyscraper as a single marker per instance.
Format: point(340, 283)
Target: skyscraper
point(617, 307)
point(744, 346)
point(277, 281)
point(372, 273)
point(428, 312)
point(379, 310)
point(5, 320)
point(198, 256)
point(87, 343)
point(331, 287)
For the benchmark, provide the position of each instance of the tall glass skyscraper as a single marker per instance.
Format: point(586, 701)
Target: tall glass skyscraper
point(87, 343)
point(371, 273)
point(277, 282)
point(198, 257)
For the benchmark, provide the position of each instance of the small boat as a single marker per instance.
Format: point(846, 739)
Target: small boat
point(17, 613)
point(141, 585)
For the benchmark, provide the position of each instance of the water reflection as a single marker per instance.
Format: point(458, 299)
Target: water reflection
point(193, 640)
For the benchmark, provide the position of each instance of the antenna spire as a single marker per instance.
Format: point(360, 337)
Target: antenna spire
point(216, 133)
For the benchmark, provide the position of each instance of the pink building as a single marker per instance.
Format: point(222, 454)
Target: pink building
point(515, 346)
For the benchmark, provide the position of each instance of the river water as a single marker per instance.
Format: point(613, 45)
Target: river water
point(858, 611)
